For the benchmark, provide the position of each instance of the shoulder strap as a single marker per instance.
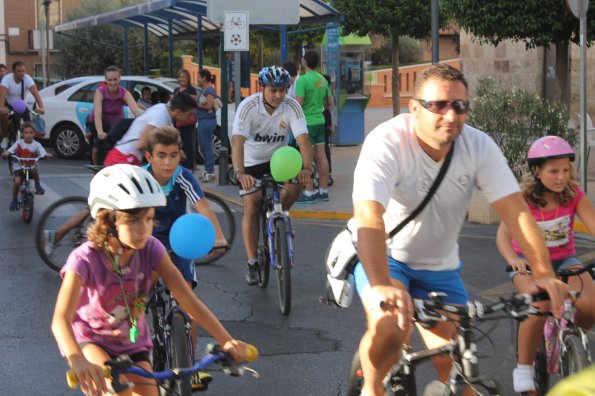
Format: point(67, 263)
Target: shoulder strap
point(23, 89)
point(431, 192)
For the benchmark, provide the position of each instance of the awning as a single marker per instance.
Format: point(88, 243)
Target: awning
point(183, 14)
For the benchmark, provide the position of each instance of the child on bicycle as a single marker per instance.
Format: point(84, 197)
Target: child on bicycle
point(99, 311)
point(554, 198)
point(26, 147)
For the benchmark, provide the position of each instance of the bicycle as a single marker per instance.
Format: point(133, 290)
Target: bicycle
point(122, 365)
point(63, 227)
point(25, 197)
point(566, 351)
point(274, 246)
point(400, 380)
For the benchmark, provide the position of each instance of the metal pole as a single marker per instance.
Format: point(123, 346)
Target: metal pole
point(435, 13)
point(583, 95)
point(45, 62)
point(237, 89)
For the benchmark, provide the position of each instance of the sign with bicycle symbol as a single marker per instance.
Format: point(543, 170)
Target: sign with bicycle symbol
point(236, 31)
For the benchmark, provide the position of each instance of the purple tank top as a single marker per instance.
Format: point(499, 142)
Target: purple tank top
point(113, 107)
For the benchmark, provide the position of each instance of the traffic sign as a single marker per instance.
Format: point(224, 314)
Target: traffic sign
point(578, 8)
point(236, 30)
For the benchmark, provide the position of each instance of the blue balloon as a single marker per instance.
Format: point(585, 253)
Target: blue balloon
point(192, 236)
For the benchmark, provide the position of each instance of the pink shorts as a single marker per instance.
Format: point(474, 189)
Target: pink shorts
point(114, 156)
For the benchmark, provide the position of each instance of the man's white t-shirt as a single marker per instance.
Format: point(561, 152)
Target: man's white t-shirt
point(394, 170)
point(266, 132)
point(14, 88)
point(157, 115)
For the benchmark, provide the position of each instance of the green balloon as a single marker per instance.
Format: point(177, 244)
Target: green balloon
point(286, 163)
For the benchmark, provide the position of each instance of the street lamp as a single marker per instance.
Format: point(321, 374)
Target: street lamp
point(46, 53)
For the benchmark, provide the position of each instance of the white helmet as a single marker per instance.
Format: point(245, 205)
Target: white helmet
point(123, 187)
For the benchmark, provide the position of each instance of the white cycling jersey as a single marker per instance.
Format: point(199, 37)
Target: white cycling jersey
point(264, 132)
point(16, 90)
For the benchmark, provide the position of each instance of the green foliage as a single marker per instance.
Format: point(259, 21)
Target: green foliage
point(536, 22)
point(409, 52)
point(515, 118)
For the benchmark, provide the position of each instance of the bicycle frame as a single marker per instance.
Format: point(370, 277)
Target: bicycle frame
point(271, 205)
point(166, 307)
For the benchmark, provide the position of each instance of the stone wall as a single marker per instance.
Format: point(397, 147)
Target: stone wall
point(511, 64)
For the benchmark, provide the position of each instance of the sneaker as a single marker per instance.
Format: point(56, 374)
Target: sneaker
point(252, 275)
point(50, 241)
point(208, 177)
point(523, 379)
point(200, 381)
point(13, 205)
point(323, 196)
point(39, 189)
point(307, 199)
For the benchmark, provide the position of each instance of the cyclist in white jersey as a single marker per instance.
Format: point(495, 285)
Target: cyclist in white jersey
point(262, 124)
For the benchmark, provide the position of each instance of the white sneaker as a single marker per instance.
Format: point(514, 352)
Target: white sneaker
point(50, 238)
point(523, 378)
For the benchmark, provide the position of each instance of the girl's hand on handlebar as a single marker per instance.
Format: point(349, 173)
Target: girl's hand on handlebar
point(519, 265)
point(240, 351)
point(89, 375)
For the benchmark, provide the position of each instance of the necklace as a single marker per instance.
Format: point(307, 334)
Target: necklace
point(115, 261)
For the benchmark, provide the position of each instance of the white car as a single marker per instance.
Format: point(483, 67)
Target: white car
point(69, 103)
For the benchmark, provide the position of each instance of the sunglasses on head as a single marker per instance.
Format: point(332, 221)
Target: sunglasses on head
point(442, 106)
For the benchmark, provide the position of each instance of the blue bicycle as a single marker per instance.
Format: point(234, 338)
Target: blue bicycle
point(215, 354)
point(274, 246)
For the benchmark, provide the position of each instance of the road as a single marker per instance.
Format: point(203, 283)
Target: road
point(305, 353)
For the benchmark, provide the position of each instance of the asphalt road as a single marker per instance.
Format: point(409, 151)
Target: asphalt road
point(305, 353)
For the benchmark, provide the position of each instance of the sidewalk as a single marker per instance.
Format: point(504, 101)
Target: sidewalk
point(344, 159)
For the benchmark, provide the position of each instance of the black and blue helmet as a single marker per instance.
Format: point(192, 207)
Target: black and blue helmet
point(274, 76)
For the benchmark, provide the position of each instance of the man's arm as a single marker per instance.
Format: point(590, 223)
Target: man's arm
point(142, 140)
point(522, 226)
point(3, 93)
point(305, 146)
point(371, 241)
point(237, 159)
point(35, 92)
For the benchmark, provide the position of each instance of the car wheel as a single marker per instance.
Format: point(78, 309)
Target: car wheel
point(216, 148)
point(68, 141)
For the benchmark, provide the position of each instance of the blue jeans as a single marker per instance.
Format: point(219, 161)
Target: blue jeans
point(206, 128)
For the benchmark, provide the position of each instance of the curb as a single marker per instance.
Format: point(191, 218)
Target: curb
point(295, 214)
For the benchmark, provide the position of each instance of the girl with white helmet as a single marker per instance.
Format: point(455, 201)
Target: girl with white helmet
point(99, 312)
point(554, 199)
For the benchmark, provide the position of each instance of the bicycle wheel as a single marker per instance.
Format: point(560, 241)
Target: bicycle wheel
point(227, 221)
point(27, 207)
point(574, 358)
point(283, 266)
point(542, 376)
point(355, 382)
point(62, 228)
point(263, 256)
point(152, 316)
point(180, 354)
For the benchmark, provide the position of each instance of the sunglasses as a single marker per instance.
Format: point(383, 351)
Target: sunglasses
point(442, 106)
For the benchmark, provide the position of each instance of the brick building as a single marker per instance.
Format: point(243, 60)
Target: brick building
point(19, 21)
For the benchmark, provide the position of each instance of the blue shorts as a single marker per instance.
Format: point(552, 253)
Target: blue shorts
point(186, 267)
point(420, 283)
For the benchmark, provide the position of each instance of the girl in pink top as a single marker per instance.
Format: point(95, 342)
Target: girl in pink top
point(99, 311)
point(554, 198)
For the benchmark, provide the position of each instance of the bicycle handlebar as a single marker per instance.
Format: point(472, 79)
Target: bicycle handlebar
point(565, 273)
point(215, 354)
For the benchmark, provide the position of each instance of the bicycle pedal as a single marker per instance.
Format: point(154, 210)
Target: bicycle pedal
point(200, 381)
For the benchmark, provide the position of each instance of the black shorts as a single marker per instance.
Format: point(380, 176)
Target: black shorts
point(19, 173)
point(143, 356)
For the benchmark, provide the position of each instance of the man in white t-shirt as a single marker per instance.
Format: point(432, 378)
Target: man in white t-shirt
point(130, 148)
point(398, 163)
point(14, 86)
point(262, 124)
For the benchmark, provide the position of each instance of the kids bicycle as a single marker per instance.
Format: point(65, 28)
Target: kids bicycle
point(564, 349)
point(274, 246)
point(25, 197)
point(401, 381)
point(122, 365)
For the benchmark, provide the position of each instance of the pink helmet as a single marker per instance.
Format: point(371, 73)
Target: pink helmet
point(549, 147)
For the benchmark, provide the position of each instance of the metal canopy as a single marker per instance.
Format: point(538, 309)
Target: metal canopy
point(183, 15)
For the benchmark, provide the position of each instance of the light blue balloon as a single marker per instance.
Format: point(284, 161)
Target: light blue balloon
point(192, 236)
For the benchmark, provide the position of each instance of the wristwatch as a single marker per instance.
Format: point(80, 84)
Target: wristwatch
point(236, 172)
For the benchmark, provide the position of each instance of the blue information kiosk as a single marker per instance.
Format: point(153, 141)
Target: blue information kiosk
point(343, 60)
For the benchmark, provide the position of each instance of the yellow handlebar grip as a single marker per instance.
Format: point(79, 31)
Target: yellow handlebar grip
point(251, 353)
point(73, 381)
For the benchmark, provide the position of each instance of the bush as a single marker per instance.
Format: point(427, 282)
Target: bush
point(515, 118)
point(409, 52)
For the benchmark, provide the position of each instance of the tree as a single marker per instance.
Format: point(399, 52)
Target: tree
point(535, 22)
point(390, 18)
